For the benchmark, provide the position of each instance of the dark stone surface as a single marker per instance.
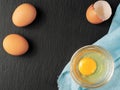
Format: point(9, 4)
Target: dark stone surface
point(58, 31)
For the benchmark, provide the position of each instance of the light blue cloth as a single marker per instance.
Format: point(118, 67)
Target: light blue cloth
point(110, 42)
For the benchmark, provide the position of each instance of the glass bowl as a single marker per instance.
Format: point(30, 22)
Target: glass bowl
point(104, 63)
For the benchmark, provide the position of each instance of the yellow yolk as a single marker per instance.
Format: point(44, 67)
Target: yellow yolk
point(87, 66)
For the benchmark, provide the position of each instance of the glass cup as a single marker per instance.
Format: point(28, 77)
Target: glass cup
point(104, 66)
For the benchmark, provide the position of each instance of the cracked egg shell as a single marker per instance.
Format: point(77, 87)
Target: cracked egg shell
point(98, 12)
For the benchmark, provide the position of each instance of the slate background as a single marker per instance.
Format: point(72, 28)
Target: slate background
point(58, 31)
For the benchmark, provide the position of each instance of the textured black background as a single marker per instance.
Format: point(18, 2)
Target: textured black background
point(58, 31)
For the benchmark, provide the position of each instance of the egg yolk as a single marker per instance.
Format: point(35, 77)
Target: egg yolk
point(87, 66)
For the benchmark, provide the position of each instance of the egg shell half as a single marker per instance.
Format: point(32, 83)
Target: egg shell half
point(92, 16)
point(98, 12)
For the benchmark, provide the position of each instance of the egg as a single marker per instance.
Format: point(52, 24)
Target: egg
point(98, 12)
point(87, 66)
point(24, 15)
point(15, 44)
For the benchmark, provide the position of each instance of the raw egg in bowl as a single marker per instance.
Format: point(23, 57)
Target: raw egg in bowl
point(91, 66)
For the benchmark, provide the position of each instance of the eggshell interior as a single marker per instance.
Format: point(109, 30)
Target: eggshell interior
point(103, 9)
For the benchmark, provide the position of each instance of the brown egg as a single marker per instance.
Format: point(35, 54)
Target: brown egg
point(24, 15)
point(98, 12)
point(15, 44)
